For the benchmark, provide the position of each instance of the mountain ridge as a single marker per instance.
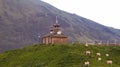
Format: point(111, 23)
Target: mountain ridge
point(21, 22)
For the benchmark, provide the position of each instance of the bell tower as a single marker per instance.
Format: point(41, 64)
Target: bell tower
point(55, 29)
point(55, 35)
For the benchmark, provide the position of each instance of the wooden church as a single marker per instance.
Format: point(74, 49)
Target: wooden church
point(55, 36)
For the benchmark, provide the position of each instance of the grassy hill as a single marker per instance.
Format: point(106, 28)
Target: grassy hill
point(60, 56)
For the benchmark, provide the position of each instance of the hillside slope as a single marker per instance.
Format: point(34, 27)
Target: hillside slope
point(60, 56)
point(22, 21)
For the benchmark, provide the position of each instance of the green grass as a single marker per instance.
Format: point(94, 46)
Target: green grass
point(66, 55)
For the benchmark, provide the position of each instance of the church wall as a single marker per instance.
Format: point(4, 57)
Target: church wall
point(59, 40)
point(54, 40)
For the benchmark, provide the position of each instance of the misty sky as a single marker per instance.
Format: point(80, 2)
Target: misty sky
point(106, 12)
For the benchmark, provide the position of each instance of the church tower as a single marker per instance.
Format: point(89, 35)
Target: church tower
point(55, 29)
point(55, 35)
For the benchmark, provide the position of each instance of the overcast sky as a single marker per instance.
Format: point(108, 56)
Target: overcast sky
point(106, 12)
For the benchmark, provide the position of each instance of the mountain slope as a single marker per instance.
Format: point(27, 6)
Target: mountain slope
point(22, 21)
point(60, 56)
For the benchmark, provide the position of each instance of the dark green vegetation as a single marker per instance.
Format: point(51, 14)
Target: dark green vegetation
point(60, 56)
point(21, 21)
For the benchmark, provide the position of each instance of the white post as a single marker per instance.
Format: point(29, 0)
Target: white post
point(86, 44)
point(115, 42)
point(39, 38)
point(100, 42)
point(107, 42)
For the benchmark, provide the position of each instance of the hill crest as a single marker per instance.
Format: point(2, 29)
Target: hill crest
point(60, 55)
